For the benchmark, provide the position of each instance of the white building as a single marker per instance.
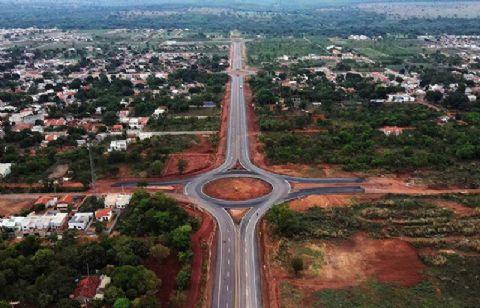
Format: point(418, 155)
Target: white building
point(400, 98)
point(13, 223)
point(5, 169)
point(159, 111)
point(118, 145)
point(26, 117)
point(80, 221)
point(41, 224)
point(119, 201)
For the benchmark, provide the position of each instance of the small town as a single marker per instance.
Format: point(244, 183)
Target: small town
point(313, 153)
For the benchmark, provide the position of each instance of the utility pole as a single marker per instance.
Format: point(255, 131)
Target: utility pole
point(92, 171)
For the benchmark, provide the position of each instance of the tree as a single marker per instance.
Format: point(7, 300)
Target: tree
point(113, 293)
point(156, 168)
point(182, 165)
point(159, 252)
point(99, 227)
point(183, 277)
point(180, 237)
point(122, 303)
point(135, 281)
point(434, 96)
point(297, 265)
point(109, 118)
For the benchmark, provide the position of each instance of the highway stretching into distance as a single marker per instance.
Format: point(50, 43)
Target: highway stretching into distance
point(237, 281)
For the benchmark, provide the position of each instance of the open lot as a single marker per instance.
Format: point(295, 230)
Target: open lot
point(9, 207)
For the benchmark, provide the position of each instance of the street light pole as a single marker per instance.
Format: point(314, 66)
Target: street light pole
point(92, 171)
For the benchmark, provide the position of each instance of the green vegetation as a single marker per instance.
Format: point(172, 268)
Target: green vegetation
point(147, 157)
point(351, 138)
point(456, 279)
point(375, 294)
point(450, 279)
point(268, 50)
point(43, 273)
point(394, 216)
point(292, 18)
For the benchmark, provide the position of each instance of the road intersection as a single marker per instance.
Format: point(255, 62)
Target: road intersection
point(237, 281)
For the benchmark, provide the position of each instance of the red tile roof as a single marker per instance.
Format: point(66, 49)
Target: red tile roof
point(43, 200)
point(66, 199)
point(102, 213)
point(87, 287)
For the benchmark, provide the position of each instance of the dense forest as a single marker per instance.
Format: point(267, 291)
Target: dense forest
point(340, 21)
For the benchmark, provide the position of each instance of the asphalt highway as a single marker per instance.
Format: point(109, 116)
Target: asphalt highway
point(238, 273)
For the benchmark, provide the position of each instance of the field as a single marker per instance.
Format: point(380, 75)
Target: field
point(447, 9)
point(267, 50)
point(9, 207)
point(387, 51)
point(362, 251)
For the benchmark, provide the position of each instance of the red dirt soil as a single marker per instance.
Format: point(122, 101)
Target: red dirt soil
point(9, 207)
point(203, 249)
point(237, 188)
point(303, 204)
point(166, 270)
point(345, 264)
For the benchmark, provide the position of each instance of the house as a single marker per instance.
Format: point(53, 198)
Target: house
point(12, 224)
point(47, 201)
point(80, 221)
point(159, 111)
point(90, 287)
point(64, 203)
point(104, 282)
point(119, 201)
point(5, 169)
point(110, 201)
point(400, 98)
point(41, 224)
point(118, 145)
point(55, 122)
point(391, 130)
point(86, 289)
point(104, 215)
point(117, 128)
point(123, 200)
point(209, 105)
point(26, 117)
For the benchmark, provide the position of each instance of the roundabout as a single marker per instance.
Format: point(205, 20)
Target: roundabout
point(237, 188)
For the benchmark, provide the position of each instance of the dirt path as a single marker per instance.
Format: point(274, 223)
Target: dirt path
point(202, 243)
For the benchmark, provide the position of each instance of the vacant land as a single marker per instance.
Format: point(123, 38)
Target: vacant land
point(268, 50)
point(237, 188)
point(426, 9)
point(9, 207)
point(373, 251)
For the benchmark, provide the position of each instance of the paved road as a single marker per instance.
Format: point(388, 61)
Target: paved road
point(237, 276)
point(238, 280)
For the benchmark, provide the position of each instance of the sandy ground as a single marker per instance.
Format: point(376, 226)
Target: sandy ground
point(343, 264)
point(9, 207)
point(237, 188)
point(303, 204)
point(203, 249)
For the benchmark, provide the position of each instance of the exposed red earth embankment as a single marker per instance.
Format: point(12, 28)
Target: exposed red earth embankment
point(237, 188)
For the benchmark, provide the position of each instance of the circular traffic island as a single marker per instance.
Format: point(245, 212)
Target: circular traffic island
point(237, 188)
